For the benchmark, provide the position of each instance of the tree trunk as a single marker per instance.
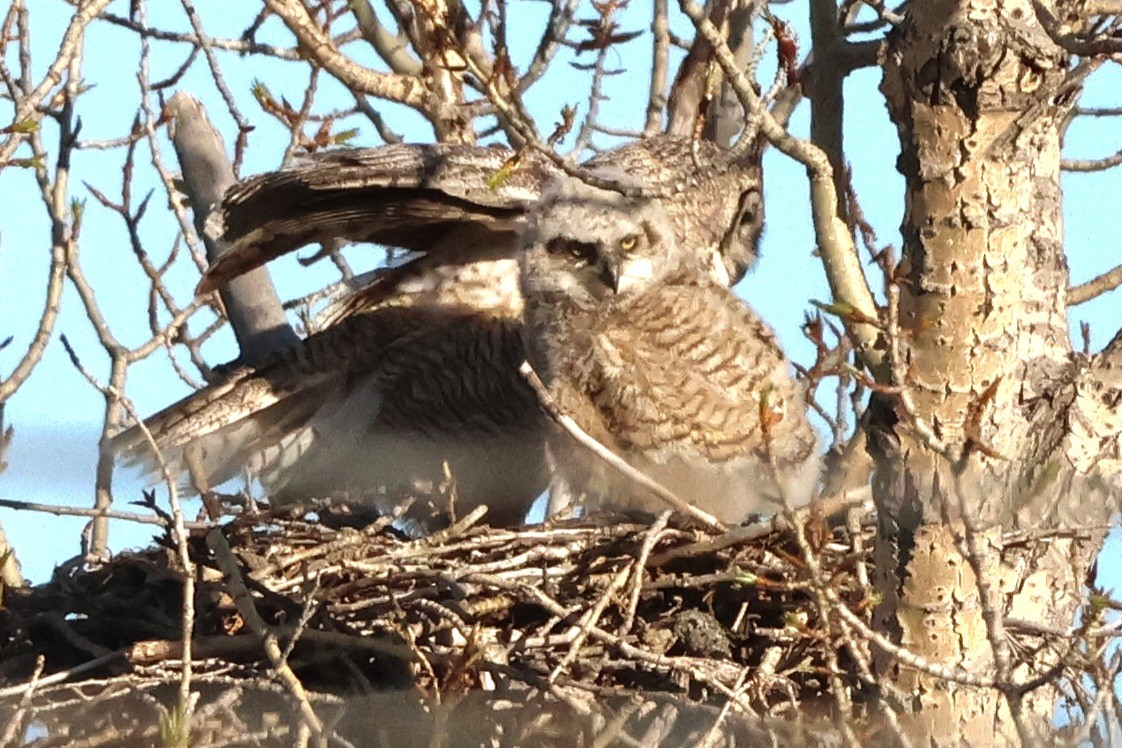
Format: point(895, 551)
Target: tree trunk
point(979, 94)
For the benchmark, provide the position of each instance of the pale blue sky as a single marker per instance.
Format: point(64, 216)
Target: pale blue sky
point(57, 415)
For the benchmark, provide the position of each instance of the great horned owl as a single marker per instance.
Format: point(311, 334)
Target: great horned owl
point(373, 404)
point(648, 354)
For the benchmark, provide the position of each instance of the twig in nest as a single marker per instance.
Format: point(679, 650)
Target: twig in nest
point(217, 544)
point(777, 523)
point(62, 675)
point(19, 717)
point(589, 620)
point(638, 568)
point(583, 438)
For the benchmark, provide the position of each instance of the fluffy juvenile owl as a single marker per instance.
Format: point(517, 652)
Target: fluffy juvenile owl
point(650, 355)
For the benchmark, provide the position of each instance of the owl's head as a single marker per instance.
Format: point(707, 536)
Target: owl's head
point(588, 245)
point(714, 205)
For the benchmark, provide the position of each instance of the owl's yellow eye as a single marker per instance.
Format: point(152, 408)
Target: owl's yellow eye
point(628, 243)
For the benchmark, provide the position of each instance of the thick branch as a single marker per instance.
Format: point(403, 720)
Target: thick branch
point(825, 90)
point(392, 48)
point(251, 301)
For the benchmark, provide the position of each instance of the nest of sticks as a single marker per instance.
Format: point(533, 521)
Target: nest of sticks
point(595, 631)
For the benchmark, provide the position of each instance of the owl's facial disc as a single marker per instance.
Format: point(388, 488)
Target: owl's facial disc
point(607, 269)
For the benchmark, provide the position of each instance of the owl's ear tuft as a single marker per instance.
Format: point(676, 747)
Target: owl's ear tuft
point(659, 233)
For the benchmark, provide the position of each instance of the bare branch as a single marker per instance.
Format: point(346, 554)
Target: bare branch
point(231, 45)
point(1076, 44)
point(1086, 165)
point(244, 601)
point(27, 108)
point(59, 510)
point(405, 89)
point(1095, 287)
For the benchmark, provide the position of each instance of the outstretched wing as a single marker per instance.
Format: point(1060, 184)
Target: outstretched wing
point(462, 199)
point(389, 398)
point(461, 203)
point(220, 428)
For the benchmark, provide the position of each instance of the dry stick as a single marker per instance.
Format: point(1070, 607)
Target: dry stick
point(156, 651)
point(590, 619)
point(15, 724)
point(909, 658)
point(64, 675)
point(613, 733)
point(821, 591)
point(204, 43)
point(611, 458)
point(512, 113)
point(653, 535)
point(459, 527)
point(685, 665)
point(828, 600)
point(595, 93)
point(710, 737)
point(1091, 714)
point(861, 654)
point(856, 498)
point(178, 529)
point(1095, 287)
point(970, 546)
point(296, 136)
point(228, 565)
point(69, 511)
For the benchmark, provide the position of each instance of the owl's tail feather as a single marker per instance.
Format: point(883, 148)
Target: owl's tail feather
point(213, 435)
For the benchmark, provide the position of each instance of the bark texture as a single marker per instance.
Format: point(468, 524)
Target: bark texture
point(979, 94)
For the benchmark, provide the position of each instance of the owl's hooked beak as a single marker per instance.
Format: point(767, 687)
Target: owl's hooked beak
point(629, 273)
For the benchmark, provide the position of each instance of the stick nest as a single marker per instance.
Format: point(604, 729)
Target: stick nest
point(604, 629)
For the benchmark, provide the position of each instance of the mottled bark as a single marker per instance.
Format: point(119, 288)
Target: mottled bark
point(977, 91)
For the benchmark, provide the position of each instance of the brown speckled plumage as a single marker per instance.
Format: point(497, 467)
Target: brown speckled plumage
point(374, 406)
